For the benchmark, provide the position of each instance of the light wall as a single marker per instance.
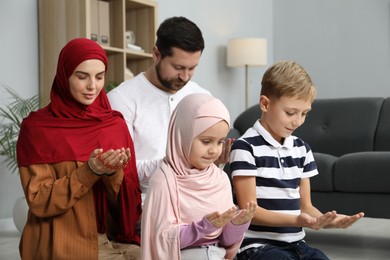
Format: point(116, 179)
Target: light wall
point(19, 71)
point(345, 45)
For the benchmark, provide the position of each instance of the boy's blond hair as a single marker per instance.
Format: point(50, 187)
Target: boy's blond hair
point(287, 78)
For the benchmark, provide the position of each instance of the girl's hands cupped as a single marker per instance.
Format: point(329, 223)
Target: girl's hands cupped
point(246, 214)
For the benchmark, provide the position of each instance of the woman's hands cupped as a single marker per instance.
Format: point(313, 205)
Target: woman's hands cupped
point(109, 161)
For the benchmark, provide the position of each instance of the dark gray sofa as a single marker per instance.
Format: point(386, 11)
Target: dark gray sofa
point(350, 139)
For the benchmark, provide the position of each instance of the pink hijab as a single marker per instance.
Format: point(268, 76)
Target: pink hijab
point(179, 194)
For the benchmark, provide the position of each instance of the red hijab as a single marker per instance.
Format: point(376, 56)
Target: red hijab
point(66, 130)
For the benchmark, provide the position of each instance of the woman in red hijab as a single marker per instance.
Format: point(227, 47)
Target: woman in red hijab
point(77, 166)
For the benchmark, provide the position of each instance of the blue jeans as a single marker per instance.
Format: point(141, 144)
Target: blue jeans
point(281, 251)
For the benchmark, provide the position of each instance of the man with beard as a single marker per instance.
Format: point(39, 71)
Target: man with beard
point(148, 100)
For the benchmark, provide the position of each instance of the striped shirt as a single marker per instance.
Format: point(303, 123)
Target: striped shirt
point(278, 169)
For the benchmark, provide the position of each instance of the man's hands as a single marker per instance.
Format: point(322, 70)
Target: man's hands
point(224, 157)
point(108, 162)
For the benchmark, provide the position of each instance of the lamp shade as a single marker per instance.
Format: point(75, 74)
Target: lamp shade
point(247, 51)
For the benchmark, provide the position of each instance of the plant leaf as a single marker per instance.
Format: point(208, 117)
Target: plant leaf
point(11, 117)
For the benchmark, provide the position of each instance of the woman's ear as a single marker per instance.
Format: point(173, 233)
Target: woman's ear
point(264, 103)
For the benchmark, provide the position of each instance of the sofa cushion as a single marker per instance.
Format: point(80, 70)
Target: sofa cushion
point(382, 138)
point(247, 119)
point(340, 126)
point(367, 172)
point(324, 180)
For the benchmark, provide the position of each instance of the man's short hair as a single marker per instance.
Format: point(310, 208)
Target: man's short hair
point(181, 33)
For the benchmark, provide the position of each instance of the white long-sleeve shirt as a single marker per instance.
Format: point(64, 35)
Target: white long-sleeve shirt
point(147, 111)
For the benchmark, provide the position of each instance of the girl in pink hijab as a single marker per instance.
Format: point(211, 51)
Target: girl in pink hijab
point(189, 211)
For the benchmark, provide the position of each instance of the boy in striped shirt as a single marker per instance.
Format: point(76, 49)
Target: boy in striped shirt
point(271, 166)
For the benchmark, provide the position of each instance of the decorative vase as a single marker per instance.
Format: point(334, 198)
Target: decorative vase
point(20, 213)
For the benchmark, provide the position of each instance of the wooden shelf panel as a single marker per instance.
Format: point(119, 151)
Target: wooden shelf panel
point(135, 4)
point(138, 55)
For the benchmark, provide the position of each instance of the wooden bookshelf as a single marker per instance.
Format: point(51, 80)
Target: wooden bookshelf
point(62, 20)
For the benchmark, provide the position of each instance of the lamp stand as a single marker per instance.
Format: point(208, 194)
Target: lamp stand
point(246, 86)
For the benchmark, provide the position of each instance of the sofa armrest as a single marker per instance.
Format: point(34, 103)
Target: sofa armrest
point(325, 165)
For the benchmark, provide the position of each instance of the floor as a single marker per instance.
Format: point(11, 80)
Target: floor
point(9, 240)
point(368, 239)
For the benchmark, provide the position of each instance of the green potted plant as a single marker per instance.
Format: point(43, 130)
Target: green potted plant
point(11, 116)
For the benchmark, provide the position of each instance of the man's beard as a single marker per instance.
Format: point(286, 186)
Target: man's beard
point(167, 83)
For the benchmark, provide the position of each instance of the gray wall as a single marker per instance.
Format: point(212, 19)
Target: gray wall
point(343, 44)
point(19, 71)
